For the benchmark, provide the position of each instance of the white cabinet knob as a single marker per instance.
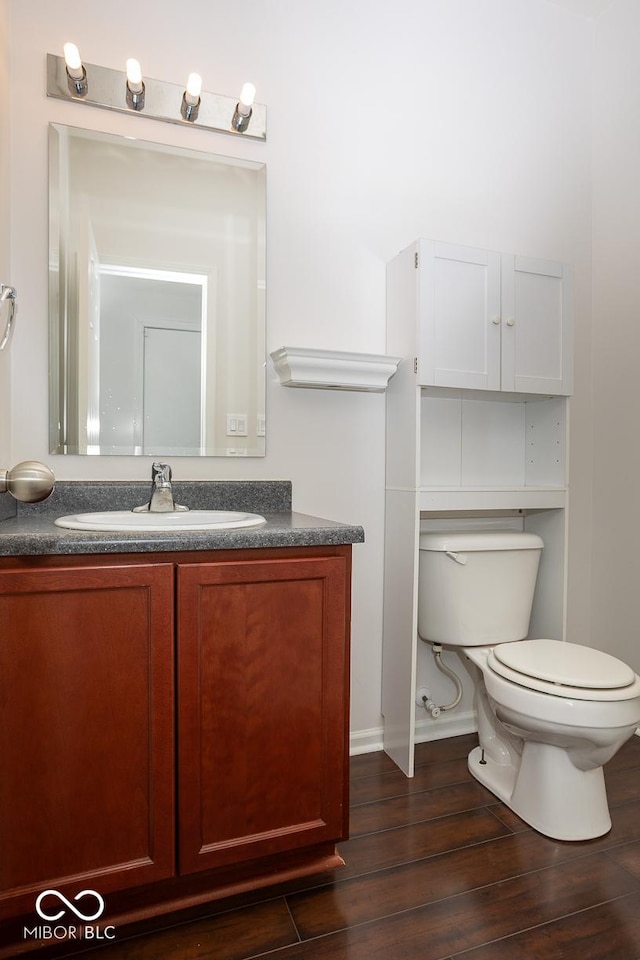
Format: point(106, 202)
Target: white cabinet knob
point(496, 321)
point(511, 322)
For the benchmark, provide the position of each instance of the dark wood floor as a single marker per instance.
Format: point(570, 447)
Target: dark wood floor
point(437, 868)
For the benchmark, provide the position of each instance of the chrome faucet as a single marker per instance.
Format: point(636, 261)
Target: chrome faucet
point(161, 492)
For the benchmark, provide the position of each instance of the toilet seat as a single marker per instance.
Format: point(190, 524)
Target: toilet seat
point(564, 670)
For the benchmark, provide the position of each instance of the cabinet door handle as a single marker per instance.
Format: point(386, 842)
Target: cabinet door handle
point(511, 322)
point(496, 321)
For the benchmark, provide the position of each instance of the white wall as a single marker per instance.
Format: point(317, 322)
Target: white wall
point(463, 120)
point(616, 332)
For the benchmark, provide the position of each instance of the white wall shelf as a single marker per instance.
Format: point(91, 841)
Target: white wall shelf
point(333, 369)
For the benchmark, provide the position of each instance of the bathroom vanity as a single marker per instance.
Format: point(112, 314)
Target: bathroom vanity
point(175, 706)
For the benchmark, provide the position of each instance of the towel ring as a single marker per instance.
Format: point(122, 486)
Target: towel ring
point(7, 295)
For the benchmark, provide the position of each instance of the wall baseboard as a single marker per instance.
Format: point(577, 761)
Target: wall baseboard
point(365, 741)
point(454, 725)
point(447, 725)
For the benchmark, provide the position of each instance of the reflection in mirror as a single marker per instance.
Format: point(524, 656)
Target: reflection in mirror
point(157, 286)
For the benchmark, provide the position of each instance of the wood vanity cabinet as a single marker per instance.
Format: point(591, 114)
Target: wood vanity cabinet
point(262, 708)
point(174, 727)
point(86, 728)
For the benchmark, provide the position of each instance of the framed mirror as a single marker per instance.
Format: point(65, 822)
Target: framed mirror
point(157, 299)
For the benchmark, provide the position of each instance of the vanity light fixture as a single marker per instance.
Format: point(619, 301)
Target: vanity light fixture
point(69, 78)
point(135, 86)
point(191, 98)
point(76, 73)
point(242, 113)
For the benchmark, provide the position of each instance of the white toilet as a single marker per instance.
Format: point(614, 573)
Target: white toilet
point(550, 713)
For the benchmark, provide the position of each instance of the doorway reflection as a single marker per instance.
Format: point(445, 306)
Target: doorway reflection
point(149, 378)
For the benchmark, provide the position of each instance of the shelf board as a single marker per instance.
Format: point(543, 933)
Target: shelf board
point(333, 369)
point(492, 498)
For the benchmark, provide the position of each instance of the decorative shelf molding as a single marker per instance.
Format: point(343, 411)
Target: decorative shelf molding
point(333, 369)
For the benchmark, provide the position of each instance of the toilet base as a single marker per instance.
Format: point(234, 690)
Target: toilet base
point(547, 791)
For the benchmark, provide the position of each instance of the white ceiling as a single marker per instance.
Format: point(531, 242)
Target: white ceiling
point(586, 8)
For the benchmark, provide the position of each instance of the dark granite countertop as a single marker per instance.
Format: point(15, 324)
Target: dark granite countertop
point(29, 530)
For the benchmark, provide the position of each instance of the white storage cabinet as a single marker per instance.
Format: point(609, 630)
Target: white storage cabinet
point(477, 420)
point(490, 321)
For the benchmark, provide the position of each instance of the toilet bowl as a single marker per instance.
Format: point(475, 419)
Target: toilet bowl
point(550, 713)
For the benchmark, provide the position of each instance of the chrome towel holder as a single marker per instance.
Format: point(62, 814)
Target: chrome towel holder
point(29, 481)
point(8, 295)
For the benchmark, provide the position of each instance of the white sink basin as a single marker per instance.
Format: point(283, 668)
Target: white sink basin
point(125, 520)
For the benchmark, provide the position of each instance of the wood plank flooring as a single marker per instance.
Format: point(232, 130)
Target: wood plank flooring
point(436, 869)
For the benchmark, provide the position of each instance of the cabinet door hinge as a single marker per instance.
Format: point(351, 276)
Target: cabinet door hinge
point(415, 365)
point(415, 259)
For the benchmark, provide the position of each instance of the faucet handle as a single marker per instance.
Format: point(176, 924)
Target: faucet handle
point(160, 474)
point(161, 492)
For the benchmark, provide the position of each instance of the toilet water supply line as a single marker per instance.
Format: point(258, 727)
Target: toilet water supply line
point(423, 699)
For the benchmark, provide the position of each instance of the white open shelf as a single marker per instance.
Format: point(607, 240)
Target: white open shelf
point(333, 369)
point(491, 498)
point(476, 446)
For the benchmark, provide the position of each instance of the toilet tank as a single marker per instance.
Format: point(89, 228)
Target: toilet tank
point(476, 587)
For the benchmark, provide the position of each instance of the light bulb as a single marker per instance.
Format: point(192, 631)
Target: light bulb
point(194, 86)
point(73, 61)
point(134, 76)
point(247, 96)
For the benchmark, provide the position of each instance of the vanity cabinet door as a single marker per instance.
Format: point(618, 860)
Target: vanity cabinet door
point(263, 707)
point(86, 731)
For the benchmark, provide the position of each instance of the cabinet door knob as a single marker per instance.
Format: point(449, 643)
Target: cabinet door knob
point(496, 321)
point(511, 322)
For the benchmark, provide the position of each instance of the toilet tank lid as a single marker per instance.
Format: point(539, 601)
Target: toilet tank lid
point(467, 541)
